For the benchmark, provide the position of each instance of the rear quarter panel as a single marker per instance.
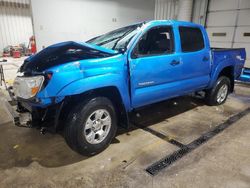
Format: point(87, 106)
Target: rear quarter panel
point(223, 58)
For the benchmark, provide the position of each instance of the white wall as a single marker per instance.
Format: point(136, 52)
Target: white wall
point(62, 20)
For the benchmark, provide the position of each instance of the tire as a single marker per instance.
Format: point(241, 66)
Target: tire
point(222, 85)
point(85, 120)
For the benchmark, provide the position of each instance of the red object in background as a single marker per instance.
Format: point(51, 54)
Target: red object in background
point(16, 54)
point(6, 54)
point(33, 45)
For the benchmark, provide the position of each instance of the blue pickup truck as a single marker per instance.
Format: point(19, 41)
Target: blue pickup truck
point(88, 89)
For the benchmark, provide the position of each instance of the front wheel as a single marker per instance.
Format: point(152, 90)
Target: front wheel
point(218, 94)
point(91, 126)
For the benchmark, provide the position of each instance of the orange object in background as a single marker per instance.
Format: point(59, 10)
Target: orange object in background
point(16, 54)
point(33, 45)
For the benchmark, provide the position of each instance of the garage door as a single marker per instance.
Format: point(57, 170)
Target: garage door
point(228, 24)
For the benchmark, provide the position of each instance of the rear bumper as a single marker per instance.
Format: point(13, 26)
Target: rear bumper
point(245, 76)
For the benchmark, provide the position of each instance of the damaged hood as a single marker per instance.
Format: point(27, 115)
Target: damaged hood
point(63, 53)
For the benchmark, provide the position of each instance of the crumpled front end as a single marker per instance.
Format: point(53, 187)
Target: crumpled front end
point(43, 76)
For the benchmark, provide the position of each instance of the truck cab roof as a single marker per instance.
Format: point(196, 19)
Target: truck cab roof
point(173, 22)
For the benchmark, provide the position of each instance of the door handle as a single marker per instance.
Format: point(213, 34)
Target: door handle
point(174, 62)
point(205, 58)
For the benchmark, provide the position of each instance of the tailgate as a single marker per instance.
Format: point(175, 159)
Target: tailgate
point(239, 56)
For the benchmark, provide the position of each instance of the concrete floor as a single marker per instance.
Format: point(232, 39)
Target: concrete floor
point(28, 159)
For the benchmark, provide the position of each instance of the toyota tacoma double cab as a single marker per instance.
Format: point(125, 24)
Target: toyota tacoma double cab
point(88, 89)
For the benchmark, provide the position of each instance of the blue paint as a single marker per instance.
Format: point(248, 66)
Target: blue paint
point(245, 76)
point(152, 79)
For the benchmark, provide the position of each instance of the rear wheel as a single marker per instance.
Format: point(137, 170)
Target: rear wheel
point(218, 94)
point(91, 126)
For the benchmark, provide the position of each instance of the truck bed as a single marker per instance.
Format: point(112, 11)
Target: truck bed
point(245, 75)
point(225, 49)
point(234, 56)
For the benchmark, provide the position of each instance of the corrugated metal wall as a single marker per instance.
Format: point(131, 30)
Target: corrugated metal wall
point(199, 11)
point(171, 9)
point(15, 22)
point(166, 9)
point(185, 8)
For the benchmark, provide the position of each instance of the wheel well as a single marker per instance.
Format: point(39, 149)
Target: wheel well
point(228, 72)
point(112, 93)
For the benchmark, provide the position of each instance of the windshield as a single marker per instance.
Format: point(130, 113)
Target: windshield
point(117, 39)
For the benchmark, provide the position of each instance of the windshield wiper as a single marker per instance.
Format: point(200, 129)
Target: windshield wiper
point(121, 38)
point(115, 38)
point(108, 41)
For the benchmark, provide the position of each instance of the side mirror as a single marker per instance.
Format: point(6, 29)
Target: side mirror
point(122, 50)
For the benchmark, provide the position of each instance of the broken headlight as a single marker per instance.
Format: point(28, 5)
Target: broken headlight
point(27, 87)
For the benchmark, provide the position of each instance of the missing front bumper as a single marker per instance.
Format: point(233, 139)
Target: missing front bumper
point(25, 115)
point(19, 119)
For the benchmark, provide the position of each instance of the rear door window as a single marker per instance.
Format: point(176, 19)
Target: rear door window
point(191, 39)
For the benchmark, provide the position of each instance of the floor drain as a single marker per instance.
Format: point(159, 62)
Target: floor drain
point(170, 159)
